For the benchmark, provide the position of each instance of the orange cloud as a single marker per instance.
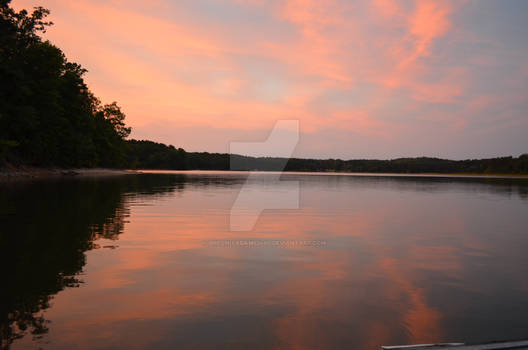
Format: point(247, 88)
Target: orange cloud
point(429, 21)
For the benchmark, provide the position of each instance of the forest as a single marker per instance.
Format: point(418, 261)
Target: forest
point(50, 118)
point(151, 155)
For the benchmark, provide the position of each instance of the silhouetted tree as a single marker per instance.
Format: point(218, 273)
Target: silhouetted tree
point(48, 116)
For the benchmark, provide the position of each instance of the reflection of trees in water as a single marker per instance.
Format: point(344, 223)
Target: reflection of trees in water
point(505, 186)
point(45, 229)
point(112, 227)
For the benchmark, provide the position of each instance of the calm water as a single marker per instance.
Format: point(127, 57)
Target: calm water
point(148, 262)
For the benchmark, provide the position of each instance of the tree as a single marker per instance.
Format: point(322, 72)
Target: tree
point(48, 116)
point(113, 114)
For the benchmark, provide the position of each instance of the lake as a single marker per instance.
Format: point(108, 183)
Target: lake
point(151, 261)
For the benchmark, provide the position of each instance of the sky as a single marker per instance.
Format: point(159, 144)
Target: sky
point(381, 79)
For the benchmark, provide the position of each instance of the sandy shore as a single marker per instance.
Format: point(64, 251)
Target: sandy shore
point(32, 172)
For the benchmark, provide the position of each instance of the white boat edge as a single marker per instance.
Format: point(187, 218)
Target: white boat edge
point(519, 345)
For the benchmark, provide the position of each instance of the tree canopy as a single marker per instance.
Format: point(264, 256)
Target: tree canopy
point(151, 155)
point(48, 116)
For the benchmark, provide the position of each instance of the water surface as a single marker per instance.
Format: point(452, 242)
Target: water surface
point(148, 262)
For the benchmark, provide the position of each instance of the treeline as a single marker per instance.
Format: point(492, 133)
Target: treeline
point(48, 116)
point(152, 155)
point(502, 165)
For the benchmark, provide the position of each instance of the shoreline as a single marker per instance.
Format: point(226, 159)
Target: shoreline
point(26, 172)
point(333, 173)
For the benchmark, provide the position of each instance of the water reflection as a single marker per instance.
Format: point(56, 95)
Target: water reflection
point(405, 260)
point(46, 228)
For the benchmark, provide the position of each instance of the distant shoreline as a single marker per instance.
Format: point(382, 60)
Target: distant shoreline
point(26, 172)
point(351, 173)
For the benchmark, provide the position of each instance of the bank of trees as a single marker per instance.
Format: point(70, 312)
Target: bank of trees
point(502, 165)
point(151, 155)
point(48, 116)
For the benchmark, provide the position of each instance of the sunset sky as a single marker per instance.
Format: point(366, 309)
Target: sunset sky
point(380, 79)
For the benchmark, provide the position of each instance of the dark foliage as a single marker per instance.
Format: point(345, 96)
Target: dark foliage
point(151, 155)
point(47, 114)
point(504, 165)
